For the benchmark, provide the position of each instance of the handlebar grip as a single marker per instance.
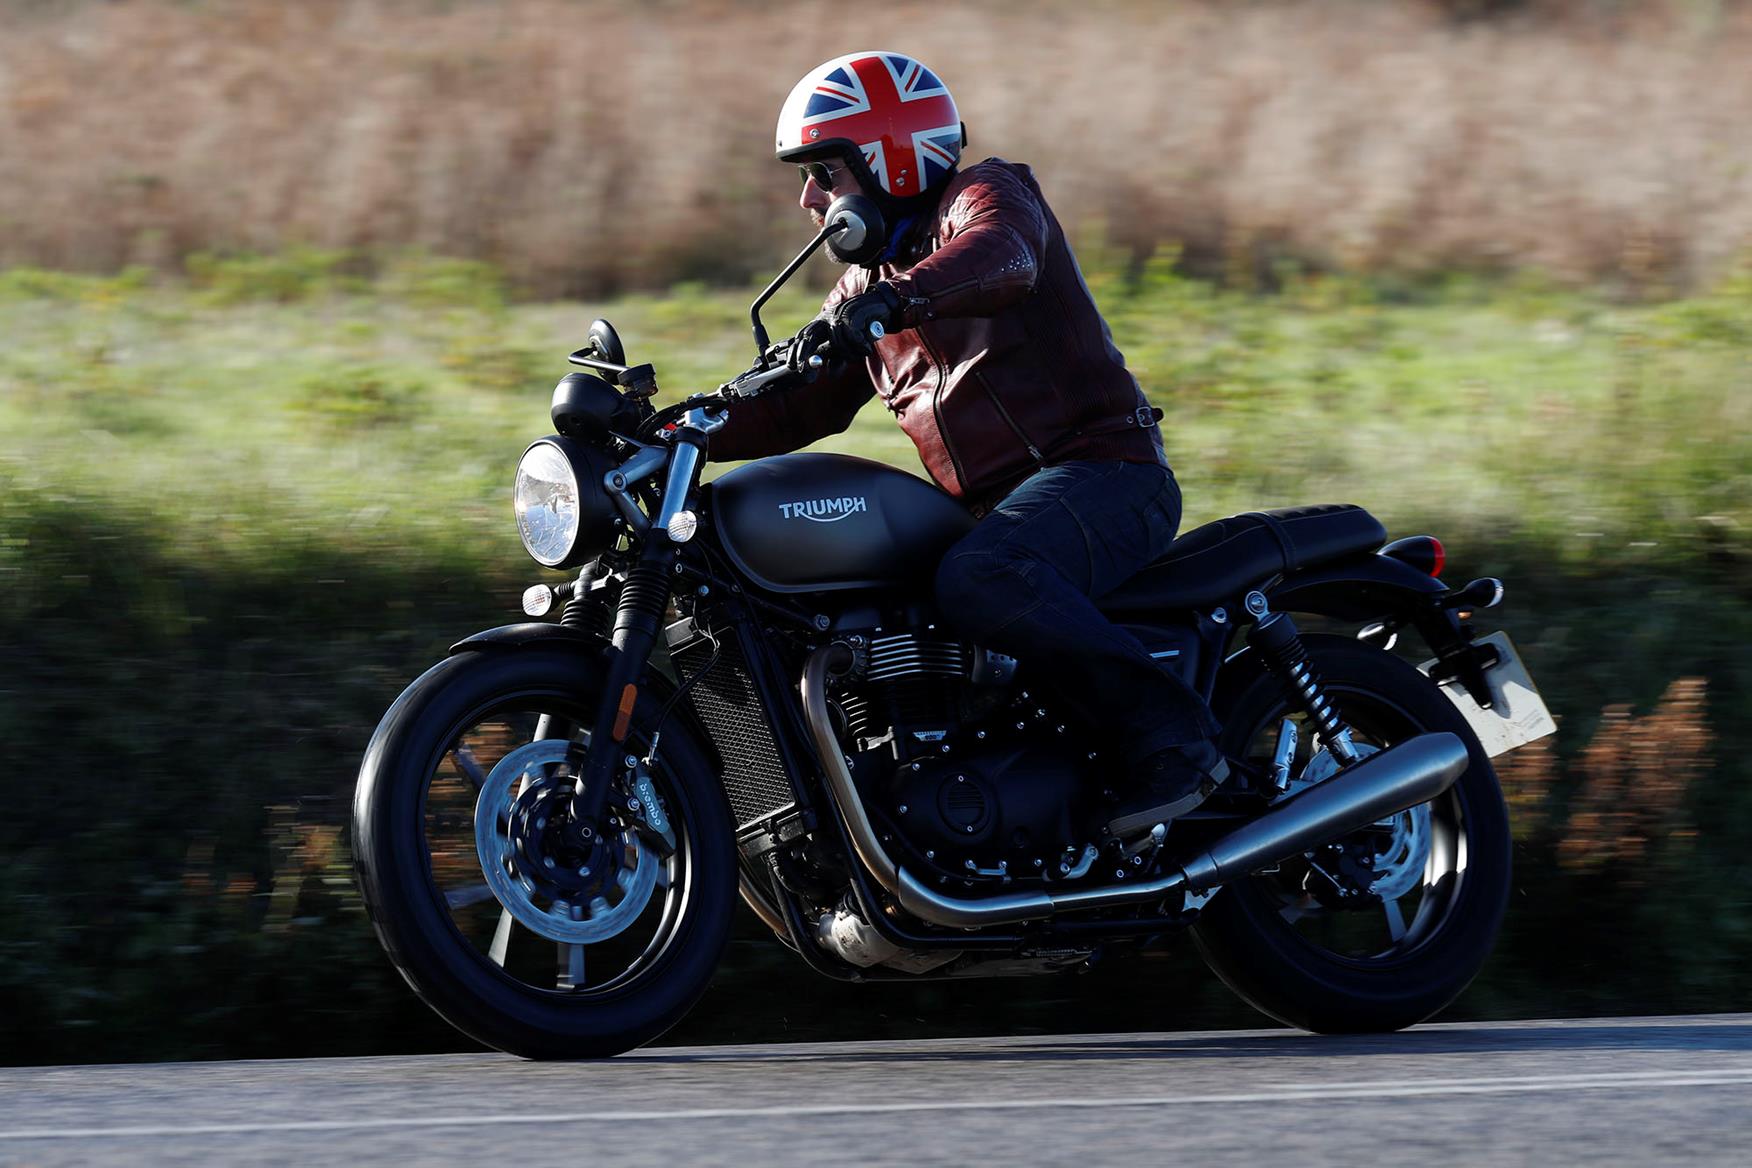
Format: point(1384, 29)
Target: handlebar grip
point(756, 384)
point(753, 384)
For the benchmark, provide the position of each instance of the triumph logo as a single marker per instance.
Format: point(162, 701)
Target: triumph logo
point(825, 510)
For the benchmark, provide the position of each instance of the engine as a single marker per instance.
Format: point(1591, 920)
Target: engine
point(973, 776)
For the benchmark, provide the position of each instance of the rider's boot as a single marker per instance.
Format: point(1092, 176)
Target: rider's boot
point(1172, 782)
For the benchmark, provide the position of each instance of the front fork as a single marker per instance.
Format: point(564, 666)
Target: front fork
point(638, 619)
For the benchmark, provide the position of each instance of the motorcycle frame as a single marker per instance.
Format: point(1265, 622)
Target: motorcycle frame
point(1368, 587)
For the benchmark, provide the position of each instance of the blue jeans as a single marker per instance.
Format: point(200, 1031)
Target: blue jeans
point(1020, 583)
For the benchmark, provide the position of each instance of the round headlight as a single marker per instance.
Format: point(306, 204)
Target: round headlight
point(546, 498)
point(563, 513)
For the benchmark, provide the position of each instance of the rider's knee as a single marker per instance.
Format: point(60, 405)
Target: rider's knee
point(977, 591)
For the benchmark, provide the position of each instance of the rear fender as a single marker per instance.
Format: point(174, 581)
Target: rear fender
point(1381, 588)
point(1363, 588)
point(1360, 589)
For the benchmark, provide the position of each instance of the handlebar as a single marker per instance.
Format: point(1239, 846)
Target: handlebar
point(758, 381)
point(763, 378)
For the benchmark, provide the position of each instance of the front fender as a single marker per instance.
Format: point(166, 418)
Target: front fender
point(657, 681)
point(527, 634)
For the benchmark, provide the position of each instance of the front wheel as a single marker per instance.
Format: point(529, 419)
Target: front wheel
point(1383, 928)
point(528, 933)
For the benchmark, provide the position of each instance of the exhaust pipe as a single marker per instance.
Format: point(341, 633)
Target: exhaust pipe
point(1384, 784)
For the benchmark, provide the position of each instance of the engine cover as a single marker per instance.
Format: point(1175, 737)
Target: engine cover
point(1018, 803)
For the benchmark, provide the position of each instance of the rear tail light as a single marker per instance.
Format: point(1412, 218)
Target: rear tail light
point(1423, 552)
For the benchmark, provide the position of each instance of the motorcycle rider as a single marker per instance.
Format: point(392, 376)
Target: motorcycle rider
point(996, 363)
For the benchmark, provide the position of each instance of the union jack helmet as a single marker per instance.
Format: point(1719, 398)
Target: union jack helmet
point(885, 113)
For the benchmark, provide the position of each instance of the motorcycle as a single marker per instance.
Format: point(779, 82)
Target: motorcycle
point(748, 692)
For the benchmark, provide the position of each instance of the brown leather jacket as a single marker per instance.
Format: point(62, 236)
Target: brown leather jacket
point(1003, 366)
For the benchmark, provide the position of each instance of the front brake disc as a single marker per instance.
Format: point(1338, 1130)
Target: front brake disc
point(521, 892)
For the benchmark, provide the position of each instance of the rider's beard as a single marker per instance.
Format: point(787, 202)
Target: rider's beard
point(817, 218)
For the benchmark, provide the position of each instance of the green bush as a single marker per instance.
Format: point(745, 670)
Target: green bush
point(286, 277)
point(427, 281)
point(351, 396)
point(36, 284)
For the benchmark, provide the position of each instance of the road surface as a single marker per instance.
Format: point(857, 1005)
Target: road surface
point(1619, 1091)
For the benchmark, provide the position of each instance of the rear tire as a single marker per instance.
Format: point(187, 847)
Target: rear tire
point(1251, 934)
point(424, 932)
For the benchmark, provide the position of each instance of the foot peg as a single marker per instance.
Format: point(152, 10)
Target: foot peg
point(1146, 845)
point(1158, 807)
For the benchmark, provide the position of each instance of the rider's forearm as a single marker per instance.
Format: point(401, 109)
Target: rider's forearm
point(782, 422)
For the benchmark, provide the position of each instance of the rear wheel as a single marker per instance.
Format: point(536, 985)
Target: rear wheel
point(526, 932)
point(1381, 929)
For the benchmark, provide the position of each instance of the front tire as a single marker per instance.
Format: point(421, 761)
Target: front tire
point(1381, 967)
point(444, 923)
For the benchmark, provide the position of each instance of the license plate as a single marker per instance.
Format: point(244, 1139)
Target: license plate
point(1517, 715)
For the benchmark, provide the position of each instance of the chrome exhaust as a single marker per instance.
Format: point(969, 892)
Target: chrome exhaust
point(1384, 784)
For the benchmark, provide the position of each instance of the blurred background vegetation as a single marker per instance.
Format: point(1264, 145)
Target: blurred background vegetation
point(283, 289)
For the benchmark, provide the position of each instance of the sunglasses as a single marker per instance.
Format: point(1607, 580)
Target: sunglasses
point(820, 173)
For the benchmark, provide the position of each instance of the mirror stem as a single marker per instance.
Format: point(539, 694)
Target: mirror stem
point(761, 340)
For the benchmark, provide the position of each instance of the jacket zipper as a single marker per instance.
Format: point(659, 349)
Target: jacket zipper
point(1015, 428)
point(942, 373)
point(937, 411)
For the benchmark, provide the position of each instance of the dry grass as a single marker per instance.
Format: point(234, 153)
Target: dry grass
point(1631, 784)
point(589, 145)
point(1636, 775)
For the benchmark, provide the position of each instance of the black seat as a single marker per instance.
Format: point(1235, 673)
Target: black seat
point(1217, 563)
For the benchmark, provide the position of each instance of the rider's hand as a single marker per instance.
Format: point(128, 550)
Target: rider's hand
point(853, 317)
point(807, 342)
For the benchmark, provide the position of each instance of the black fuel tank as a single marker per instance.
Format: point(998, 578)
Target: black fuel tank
point(826, 522)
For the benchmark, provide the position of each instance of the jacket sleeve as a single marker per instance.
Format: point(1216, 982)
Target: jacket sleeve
point(993, 258)
point(778, 423)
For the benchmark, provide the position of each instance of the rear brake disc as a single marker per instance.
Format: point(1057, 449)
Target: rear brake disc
point(1399, 857)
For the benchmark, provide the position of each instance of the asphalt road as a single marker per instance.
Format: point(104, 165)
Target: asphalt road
point(1619, 1091)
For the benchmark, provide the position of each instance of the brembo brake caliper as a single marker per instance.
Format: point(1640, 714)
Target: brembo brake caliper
point(649, 818)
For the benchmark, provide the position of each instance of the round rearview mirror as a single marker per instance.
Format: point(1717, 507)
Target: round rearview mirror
point(607, 343)
point(863, 234)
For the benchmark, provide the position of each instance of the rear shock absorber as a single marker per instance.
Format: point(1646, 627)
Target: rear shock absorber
point(1280, 644)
